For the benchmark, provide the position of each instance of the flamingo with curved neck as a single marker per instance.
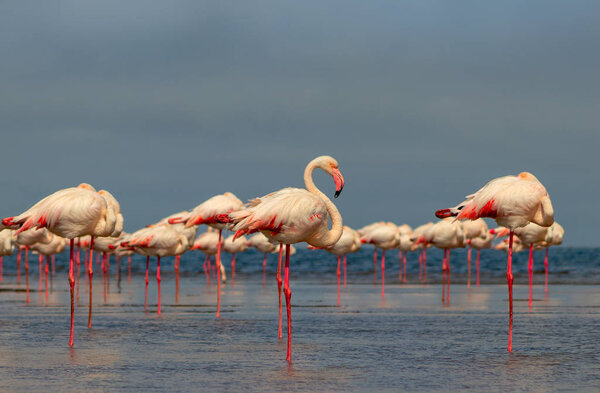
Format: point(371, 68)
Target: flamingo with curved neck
point(294, 215)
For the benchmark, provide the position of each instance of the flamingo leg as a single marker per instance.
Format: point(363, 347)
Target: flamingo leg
point(420, 265)
point(129, 268)
point(383, 273)
point(219, 273)
point(103, 265)
point(469, 268)
point(19, 266)
point(375, 266)
point(288, 304)
point(424, 265)
point(339, 257)
point(46, 273)
point(279, 284)
point(448, 275)
point(91, 275)
point(530, 274)
point(72, 285)
point(404, 258)
point(265, 270)
point(509, 279)
point(177, 261)
point(444, 278)
point(108, 273)
point(344, 271)
point(546, 268)
point(40, 258)
point(27, 272)
point(400, 266)
point(477, 263)
point(158, 281)
point(233, 270)
point(146, 292)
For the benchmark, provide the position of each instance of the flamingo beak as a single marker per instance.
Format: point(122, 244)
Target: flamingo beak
point(339, 181)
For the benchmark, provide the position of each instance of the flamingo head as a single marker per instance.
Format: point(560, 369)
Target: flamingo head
point(330, 165)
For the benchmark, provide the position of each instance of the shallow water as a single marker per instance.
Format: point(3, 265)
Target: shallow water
point(408, 341)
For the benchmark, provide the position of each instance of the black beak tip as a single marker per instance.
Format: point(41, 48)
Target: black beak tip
point(337, 194)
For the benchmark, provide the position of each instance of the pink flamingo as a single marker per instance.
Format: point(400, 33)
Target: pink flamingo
point(404, 245)
point(7, 247)
point(480, 243)
point(160, 241)
point(476, 229)
point(554, 237)
point(348, 243)
point(264, 245)
point(69, 213)
point(363, 232)
point(514, 201)
point(294, 215)
point(213, 212)
point(28, 238)
point(55, 246)
point(421, 244)
point(231, 247)
point(530, 235)
point(209, 243)
point(385, 237)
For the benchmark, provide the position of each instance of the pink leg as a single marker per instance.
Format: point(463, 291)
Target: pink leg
point(344, 271)
point(19, 266)
point(383, 273)
point(400, 266)
point(103, 266)
point(78, 263)
point(158, 281)
point(233, 270)
point(129, 268)
point(375, 267)
point(448, 275)
point(546, 268)
point(469, 268)
point(339, 257)
point(279, 284)
point(288, 304)
point(72, 285)
point(405, 266)
point(146, 293)
point(27, 272)
point(46, 273)
point(265, 270)
point(420, 265)
point(444, 278)
point(509, 278)
point(478, 253)
point(91, 275)
point(424, 265)
point(219, 273)
point(177, 260)
point(40, 258)
point(530, 274)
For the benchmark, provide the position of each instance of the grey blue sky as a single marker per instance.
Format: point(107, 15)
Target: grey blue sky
point(422, 102)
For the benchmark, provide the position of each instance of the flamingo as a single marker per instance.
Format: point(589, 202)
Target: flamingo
point(363, 232)
point(385, 237)
point(209, 243)
point(213, 212)
point(476, 229)
point(420, 243)
point(554, 237)
point(404, 233)
point(7, 247)
point(294, 215)
point(514, 202)
point(160, 241)
point(530, 235)
point(28, 238)
point(446, 235)
point(348, 243)
point(55, 246)
point(264, 245)
point(480, 243)
point(231, 247)
point(69, 213)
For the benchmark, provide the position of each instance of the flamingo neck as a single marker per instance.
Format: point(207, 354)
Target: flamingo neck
point(330, 237)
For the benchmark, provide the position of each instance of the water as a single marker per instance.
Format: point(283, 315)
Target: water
point(408, 341)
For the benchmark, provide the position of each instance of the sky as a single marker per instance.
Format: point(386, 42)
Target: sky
point(166, 104)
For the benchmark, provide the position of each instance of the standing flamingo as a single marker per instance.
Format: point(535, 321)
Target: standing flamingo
point(480, 243)
point(554, 237)
point(385, 237)
point(231, 247)
point(209, 243)
point(421, 244)
point(476, 229)
point(530, 235)
point(294, 215)
point(55, 246)
point(514, 201)
point(213, 212)
point(264, 245)
point(28, 238)
point(363, 232)
point(349, 242)
point(69, 213)
point(160, 241)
